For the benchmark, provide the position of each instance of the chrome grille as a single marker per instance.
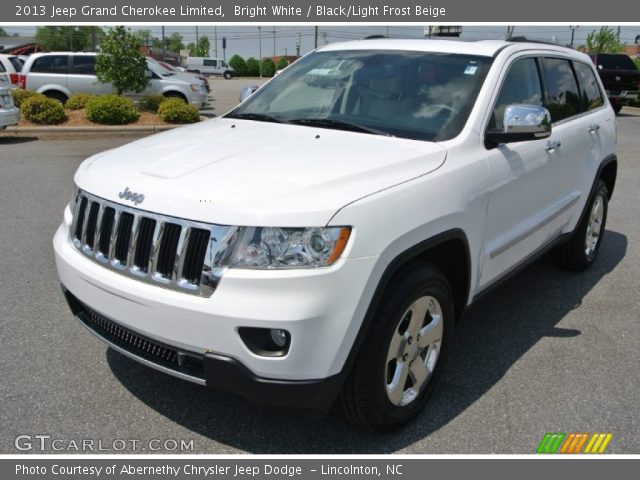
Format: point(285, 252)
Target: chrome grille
point(169, 252)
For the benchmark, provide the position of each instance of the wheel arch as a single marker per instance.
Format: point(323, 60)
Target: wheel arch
point(54, 88)
point(448, 251)
point(608, 171)
point(175, 93)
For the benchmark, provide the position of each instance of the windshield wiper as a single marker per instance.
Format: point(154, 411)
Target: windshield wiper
point(260, 117)
point(338, 125)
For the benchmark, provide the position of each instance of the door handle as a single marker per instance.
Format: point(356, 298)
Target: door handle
point(594, 127)
point(552, 145)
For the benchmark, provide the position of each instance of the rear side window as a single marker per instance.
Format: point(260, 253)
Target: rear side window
point(563, 98)
point(84, 65)
point(591, 94)
point(520, 86)
point(16, 62)
point(51, 64)
point(210, 63)
point(2, 69)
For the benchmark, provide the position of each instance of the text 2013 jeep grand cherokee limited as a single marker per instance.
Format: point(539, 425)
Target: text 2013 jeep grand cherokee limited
point(316, 245)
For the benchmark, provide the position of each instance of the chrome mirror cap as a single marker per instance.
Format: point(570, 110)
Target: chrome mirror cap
point(527, 119)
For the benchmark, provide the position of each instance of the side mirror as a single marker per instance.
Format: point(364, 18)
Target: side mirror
point(149, 74)
point(521, 123)
point(246, 92)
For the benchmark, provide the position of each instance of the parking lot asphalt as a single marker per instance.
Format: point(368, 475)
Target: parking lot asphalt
point(549, 351)
point(224, 94)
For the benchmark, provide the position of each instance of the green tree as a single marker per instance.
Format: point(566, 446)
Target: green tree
point(604, 40)
point(120, 61)
point(65, 38)
point(239, 65)
point(145, 37)
point(3, 32)
point(267, 67)
point(282, 63)
point(204, 45)
point(253, 67)
point(191, 46)
point(157, 43)
point(174, 42)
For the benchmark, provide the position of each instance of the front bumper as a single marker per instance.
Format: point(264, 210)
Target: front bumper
point(200, 99)
point(210, 369)
point(322, 309)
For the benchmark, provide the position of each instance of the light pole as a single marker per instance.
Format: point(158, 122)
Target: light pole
point(260, 50)
point(573, 32)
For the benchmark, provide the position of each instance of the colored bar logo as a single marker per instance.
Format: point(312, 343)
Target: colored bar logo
point(556, 442)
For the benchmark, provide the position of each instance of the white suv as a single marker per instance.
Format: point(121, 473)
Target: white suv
point(316, 245)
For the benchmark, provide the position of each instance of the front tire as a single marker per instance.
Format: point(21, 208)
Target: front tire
point(403, 351)
point(227, 75)
point(581, 250)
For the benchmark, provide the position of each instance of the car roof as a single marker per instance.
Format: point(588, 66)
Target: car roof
point(486, 48)
point(46, 54)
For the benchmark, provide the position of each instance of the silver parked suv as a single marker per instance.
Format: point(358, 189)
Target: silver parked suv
point(61, 74)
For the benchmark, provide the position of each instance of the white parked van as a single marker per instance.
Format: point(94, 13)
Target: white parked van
point(210, 66)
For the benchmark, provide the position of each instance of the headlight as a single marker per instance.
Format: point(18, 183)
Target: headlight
point(279, 248)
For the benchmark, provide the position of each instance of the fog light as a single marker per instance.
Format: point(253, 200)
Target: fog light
point(267, 342)
point(279, 337)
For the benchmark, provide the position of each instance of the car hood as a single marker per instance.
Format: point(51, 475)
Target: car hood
point(240, 172)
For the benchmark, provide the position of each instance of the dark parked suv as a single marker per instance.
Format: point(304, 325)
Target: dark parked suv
point(620, 77)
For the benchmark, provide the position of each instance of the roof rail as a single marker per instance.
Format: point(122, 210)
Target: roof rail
point(523, 39)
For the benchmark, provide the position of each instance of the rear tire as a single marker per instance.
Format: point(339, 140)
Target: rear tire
point(403, 352)
point(617, 108)
point(581, 250)
point(58, 96)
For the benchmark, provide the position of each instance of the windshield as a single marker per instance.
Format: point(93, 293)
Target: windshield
point(159, 69)
point(417, 95)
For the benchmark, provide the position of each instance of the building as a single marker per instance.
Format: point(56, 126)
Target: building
point(19, 45)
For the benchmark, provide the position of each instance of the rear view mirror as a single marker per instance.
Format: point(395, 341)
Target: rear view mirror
point(521, 123)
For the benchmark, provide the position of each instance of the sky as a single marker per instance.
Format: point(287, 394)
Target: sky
point(245, 40)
